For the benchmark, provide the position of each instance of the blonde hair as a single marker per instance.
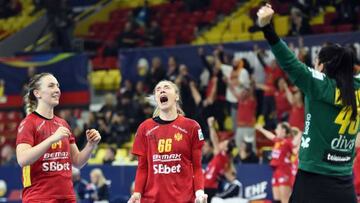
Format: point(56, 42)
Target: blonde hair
point(178, 102)
point(29, 99)
point(99, 174)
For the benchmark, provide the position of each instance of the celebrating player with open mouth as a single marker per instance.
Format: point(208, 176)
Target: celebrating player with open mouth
point(168, 147)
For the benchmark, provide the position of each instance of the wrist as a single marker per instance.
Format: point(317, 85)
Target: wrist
point(136, 195)
point(199, 193)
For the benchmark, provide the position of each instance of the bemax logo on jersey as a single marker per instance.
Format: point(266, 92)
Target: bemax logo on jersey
point(163, 168)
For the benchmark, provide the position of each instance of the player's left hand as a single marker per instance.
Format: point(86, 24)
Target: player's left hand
point(201, 197)
point(93, 136)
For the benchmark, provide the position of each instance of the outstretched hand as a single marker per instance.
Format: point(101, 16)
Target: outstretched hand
point(265, 15)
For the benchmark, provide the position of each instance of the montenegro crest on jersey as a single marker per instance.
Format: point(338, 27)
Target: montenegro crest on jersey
point(178, 137)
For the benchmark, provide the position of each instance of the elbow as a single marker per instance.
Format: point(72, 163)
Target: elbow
point(21, 161)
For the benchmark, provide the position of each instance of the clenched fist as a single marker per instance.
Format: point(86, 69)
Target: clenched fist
point(265, 15)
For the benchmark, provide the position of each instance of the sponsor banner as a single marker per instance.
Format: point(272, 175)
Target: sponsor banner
point(255, 178)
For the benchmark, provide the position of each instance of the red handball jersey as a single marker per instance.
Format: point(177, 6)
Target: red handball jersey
point(215, 168)
point(357, 172)
point(281, 153)
point(50, 176)
point(169, 150)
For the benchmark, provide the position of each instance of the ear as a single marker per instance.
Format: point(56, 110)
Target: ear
point(37, 94)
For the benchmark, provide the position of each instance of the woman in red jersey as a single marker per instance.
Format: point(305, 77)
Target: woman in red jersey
point(45, 146)
point(284, 144)
point(219, 163)
point(168, 147)
point(357, 171)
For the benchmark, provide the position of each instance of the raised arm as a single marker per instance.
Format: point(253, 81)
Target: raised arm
point(213, 135)
point(309, 81)
point(79, 159)
point(269, 135)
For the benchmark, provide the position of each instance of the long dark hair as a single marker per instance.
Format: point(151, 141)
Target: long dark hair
point(339, 65)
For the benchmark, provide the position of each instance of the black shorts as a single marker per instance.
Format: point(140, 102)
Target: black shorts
point(317, 188)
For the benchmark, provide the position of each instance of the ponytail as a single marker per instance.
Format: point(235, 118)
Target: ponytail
point(30, 103)
point(339, 65)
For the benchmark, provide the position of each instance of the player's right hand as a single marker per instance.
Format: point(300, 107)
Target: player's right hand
point(59, 134)
point(265, 15)
point(135, 198)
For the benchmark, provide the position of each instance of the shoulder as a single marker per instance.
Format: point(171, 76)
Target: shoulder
point(188, 121)
point(146, 123)
point(29, 120)
point(61, 121)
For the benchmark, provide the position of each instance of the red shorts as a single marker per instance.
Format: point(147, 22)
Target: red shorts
point(282, 177)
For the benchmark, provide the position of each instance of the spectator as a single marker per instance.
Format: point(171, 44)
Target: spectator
point(246, 115)
point(219, 163)
point(232, 189)
point(119, 130)
point(246, 154)
point(128, 38)
point(237, 77)
point(297, 112)
point(142, 14)
point(110, 155)
point(80, 185)
point(183, 81)
point(272, 72)
point(8, 157)
point(131, 110)
point(281, 102)
point(154, 35)
point(110, 103)
point(207, 152)
point(140, 92)
point(100, 186)
point(299, 23)
point(156, 73)
point(172, 70)
point(142, 67)
point(127, 88)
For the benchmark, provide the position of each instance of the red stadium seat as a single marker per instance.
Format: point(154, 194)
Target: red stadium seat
point(329, 29)
point(329, 18)
point(344, 28)
point(209, 16)
point(111, 63)
point(317, 29)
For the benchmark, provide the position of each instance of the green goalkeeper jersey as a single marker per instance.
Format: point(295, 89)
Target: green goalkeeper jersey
point(328, 140)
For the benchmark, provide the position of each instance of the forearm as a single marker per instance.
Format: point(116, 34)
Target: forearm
point(197, 170)
point(357, 143)
point(83, 156)
point(27, 156)
point(141, 175)
point(267, 133)
point(214, 139)
point(285, 57)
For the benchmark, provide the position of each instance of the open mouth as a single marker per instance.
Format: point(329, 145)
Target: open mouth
point(163, 99)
